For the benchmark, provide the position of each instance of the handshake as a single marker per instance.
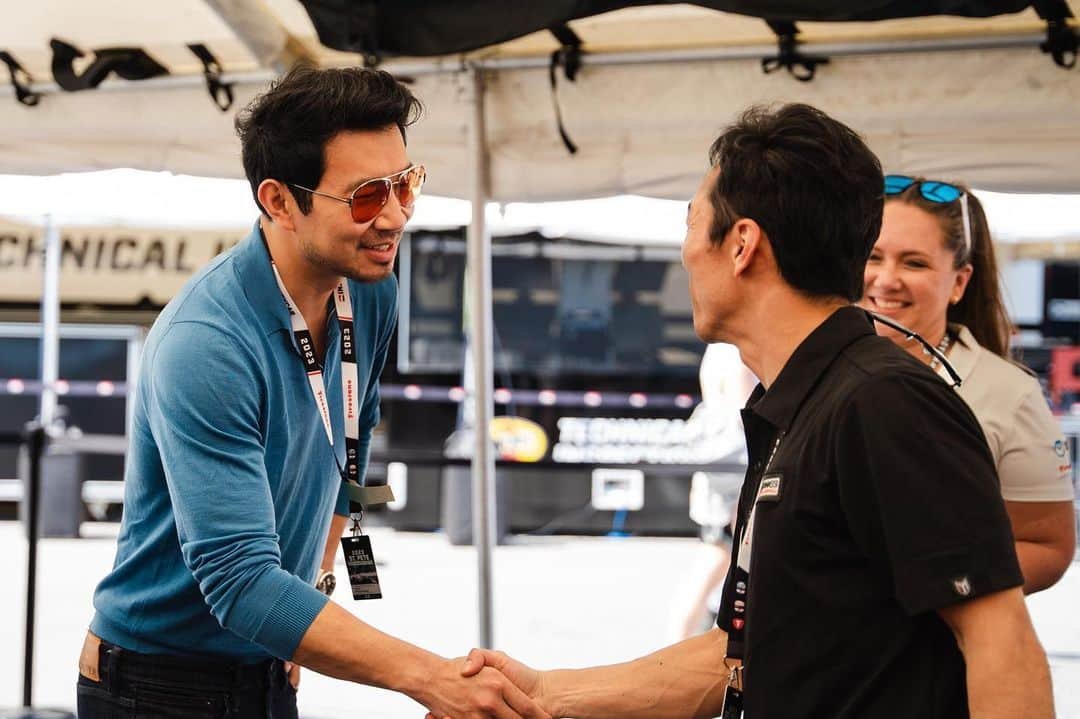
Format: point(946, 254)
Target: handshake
point(682, 681)
point(489, 684)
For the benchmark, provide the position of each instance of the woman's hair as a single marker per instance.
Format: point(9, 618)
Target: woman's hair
point(981, 309)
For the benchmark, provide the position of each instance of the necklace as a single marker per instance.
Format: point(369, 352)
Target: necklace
point(943, 348)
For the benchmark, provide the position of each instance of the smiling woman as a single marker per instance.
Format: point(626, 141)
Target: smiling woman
point(933, 270)
point(912, 277)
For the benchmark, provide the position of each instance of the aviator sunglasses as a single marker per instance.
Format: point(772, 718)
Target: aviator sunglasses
point(941, 193)
point(367, 200)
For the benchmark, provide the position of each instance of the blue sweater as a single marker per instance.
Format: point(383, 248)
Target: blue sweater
point(230, 482)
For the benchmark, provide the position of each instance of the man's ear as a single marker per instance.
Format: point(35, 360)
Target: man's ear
point(278, 203)
point(746, 238)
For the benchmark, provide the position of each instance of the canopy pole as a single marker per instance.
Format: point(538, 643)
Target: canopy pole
point(36, 432)
point(478, 262)
point(50, 324)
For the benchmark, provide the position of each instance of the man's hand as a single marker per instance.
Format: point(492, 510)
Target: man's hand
point(340, 645)
point(293, 672)
point(468, 689)
point(524, 677)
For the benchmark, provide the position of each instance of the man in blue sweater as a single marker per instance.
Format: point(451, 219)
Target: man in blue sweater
point(256, 401)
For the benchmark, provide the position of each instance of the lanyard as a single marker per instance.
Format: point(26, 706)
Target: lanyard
point(736, 599)
point(739, 598)
point(350, 474)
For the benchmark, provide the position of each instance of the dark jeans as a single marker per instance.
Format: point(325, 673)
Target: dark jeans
point(150, 686)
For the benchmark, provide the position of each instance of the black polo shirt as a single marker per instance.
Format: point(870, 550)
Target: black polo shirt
point(887, 508)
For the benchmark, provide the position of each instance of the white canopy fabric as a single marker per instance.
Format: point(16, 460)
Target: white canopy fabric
point(1001, 119)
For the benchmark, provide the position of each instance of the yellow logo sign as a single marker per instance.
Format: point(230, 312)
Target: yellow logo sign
point(518, 439)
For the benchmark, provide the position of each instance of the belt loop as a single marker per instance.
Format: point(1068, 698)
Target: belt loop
point(111, 655)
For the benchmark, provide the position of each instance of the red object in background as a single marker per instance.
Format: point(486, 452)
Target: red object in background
point(1064, 363)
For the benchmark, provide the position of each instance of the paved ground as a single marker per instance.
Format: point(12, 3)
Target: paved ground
point(558, 602)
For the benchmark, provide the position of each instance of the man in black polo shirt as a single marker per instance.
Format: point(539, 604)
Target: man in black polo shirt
point(874, 573)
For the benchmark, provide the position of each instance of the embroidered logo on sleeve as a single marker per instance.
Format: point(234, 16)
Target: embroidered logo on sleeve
point(962, 585)
point(1061, 449)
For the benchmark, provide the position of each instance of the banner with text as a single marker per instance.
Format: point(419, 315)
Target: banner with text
point(108, 265)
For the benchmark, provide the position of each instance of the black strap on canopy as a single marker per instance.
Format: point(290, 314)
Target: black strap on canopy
point(802, 67)
point(568, 56)
point(21, 80)
point(361, 17)
point(220, 92)
point(130, 63)
point(1061, 41)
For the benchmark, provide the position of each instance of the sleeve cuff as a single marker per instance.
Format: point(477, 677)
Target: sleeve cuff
point(289, 618)
point(950, 577)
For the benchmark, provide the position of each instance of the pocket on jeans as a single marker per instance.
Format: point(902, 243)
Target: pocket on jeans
point(166, 702)
point(94, 702)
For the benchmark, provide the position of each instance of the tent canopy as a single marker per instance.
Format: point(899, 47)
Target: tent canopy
point(432, 27)
point(1001, 117)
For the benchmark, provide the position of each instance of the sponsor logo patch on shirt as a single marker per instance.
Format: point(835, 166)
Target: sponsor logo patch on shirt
point(769, 489)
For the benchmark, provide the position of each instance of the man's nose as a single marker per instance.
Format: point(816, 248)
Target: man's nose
point(392, 217)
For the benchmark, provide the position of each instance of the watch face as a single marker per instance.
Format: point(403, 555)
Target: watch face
point(327, 584)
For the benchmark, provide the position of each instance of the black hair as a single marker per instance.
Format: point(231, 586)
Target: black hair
point(284, 131)
point(812, 185)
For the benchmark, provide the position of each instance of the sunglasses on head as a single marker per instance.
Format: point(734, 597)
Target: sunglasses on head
point(941, 193)
point(931, 190)
point(368, 200)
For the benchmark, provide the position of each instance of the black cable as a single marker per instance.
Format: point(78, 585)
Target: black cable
point(35, 444)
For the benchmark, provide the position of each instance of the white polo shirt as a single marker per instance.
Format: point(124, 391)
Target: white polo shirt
point(1031, 453)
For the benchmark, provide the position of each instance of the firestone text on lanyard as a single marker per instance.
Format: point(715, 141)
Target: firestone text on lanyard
point(359, 558)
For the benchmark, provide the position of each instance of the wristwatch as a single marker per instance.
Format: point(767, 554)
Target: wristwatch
point(327, 582)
